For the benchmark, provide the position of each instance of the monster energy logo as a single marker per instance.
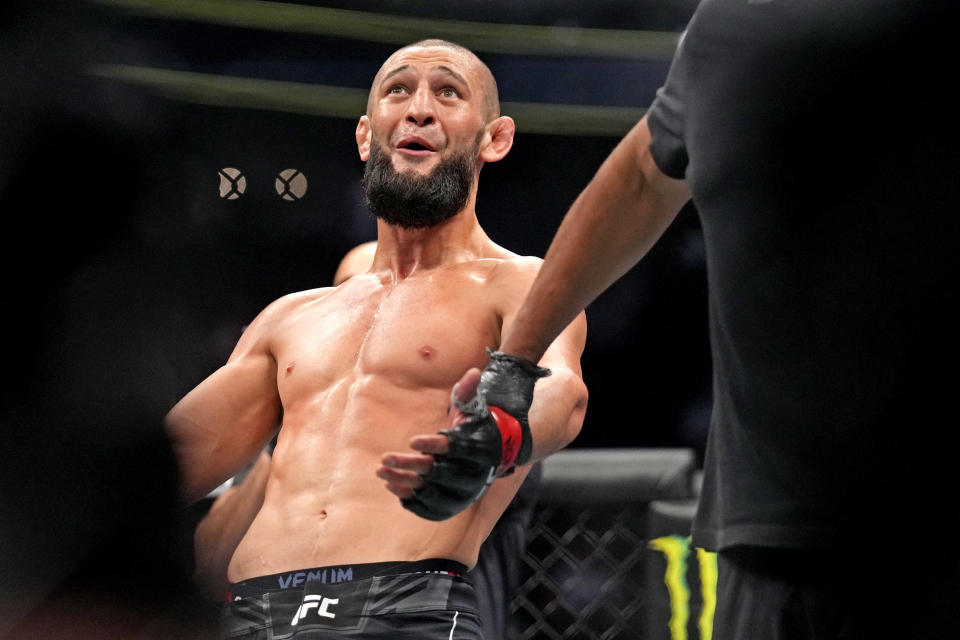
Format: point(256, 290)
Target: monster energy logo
point(676, 550)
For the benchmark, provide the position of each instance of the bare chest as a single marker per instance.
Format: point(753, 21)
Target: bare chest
point(412, 335)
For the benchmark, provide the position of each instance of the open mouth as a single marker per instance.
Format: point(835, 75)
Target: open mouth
point(415, 146)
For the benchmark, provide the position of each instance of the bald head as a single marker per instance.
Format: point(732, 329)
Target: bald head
point(488, 85)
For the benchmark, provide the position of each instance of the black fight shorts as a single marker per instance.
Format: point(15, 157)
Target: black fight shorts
point(385, 600)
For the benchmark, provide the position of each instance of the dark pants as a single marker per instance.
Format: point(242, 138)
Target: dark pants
point(771, 594)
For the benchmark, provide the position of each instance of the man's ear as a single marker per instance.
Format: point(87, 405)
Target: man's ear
point(363, 138)
point(500, 141)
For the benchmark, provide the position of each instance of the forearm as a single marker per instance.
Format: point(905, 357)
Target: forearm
point(621, 213)
point(205, 460)
point(557, 413)
point(219, 427)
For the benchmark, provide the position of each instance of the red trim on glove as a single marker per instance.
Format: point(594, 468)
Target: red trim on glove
point(511, 437)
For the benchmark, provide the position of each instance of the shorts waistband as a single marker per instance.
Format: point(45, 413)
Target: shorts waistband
point(418, 601)
point(336, 574)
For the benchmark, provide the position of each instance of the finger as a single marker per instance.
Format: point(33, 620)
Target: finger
point(400, 477)
point(466, 388)
point(402, 492)
point(413, 462)
point(436, 444)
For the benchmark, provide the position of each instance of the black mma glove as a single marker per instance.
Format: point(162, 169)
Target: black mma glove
point(493, 437)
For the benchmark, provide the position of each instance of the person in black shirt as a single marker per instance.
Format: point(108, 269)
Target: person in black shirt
point(817, 145)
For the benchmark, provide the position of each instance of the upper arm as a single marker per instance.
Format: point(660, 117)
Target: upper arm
point(657, 165)
point(223, 422)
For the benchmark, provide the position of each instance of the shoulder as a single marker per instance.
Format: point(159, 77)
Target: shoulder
point(292, 301)
point(280, 309)
point(499, 271)
point(508, 280)
point(516, 270)
point(261, 335)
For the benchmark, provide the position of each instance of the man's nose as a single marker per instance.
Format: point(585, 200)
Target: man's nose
point(420, 109)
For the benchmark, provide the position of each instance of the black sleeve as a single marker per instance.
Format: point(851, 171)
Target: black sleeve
point(666, 119)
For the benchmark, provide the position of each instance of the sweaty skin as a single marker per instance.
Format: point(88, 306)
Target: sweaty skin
point(360, 370)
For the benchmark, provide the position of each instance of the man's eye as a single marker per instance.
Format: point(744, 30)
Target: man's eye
point(397, 88)
point(449, 92)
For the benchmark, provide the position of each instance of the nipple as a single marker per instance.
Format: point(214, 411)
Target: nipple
point(427, 352)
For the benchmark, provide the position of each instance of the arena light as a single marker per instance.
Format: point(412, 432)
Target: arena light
point(344, 102)
point(486, 37)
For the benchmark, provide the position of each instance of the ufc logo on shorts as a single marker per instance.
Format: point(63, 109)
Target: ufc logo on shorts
point(319, 603)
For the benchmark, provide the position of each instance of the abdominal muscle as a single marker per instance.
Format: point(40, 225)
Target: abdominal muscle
point(324, 504)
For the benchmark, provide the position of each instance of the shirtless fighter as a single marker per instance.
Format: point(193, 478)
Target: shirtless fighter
point(358, 371)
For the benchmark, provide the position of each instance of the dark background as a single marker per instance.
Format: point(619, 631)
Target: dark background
point(150, 160)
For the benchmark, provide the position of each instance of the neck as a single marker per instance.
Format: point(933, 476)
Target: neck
point(405, 252)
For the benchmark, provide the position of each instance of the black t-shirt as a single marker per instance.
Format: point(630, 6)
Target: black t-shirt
point(822, 153)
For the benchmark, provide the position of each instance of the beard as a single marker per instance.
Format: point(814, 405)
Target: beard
point(411, 201)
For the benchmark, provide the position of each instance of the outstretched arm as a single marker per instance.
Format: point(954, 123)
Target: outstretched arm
point(611, 225)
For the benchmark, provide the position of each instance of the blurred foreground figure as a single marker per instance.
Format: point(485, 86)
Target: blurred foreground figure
point(91, 537)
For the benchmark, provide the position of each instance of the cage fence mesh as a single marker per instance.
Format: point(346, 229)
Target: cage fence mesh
point(583, 575)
